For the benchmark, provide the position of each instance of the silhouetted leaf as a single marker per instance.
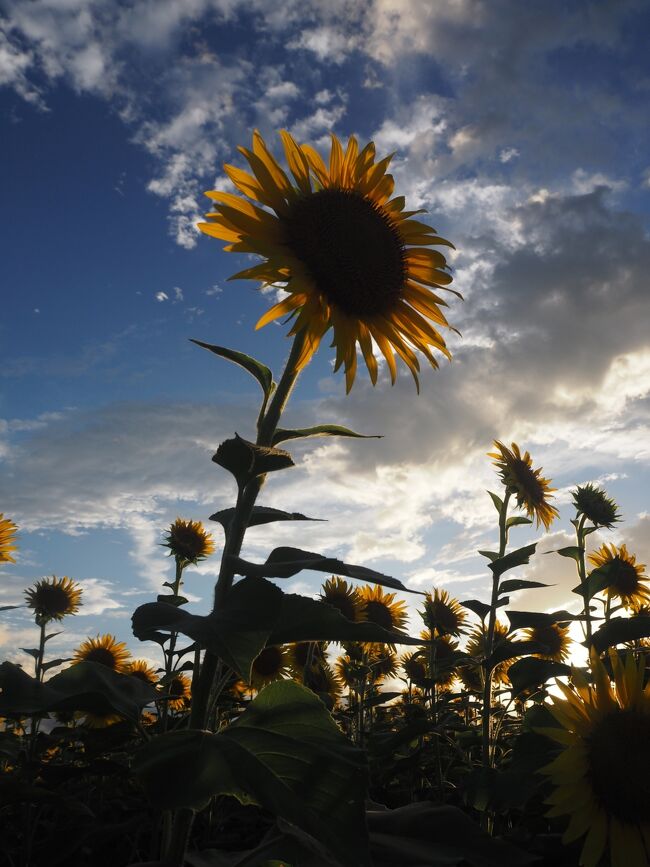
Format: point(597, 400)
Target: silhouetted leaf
point(498, 502)
point(286, 562)
point(572, 551)
point(532, 671)
point(319, 430)
point(256, 369)
point(515, 558)
point(478, 607)
point(516, 521)
point(260, 515)
point(513, 584)
point(530, 619)
point(510, 649)
point(285, 753)
point(246, 460)
point(598, 580)
point(620, 630)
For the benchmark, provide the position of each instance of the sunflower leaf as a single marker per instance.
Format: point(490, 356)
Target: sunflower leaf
point(247, 460)
point(86, 686)
point(530, 672)
point(490, 555)
point(319, 430)
point(480, 608)
point(515, 558)
point(260, 515)
point(510, 649)
point(498, 502)
point(572, 551)
point(598, 580)
point(256, 369)
point(513, 584)
point(237, 632)
point(284, 753)
point(516, 521)
point(620, 630)
point(10, 607)
point(530, 619)
point(285, 562)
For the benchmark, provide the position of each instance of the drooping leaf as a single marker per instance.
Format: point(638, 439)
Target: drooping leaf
point(319, 430)
point(515, 558)
point(620, 630)
point(285, 562)
point(478, 607)
point(284, 753)
point(237, 631)
point(513, 584)
point(260, 515)
point(86, 686)
point(491, 555)
point(428, 835)
point(10, 607)
point(305, 619)
point(256, 369)
point(511, 649)
point(246, 460)
point(531, 619)
point(532, 672)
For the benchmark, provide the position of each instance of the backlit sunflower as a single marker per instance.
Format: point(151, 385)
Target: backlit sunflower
point(477, 648)
point(601, 777)
point(53, 598)
point(440, 657)
point(442, 614)
point(555, 639)
point(100, 720)
point(595, 505)
point(322, 680)
point(303, 652)
point(7, 537)
point(344, 597)
point(180, 692)
point(381, 609)
point(414, 666)
point(627, 579)
point(271, 664)
point(529, 487)
point(105, 650)
point(348, 255)
point(142, 670)
point(188, 541)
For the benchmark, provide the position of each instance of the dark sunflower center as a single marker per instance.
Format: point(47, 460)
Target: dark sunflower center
point(624, 578)
point(619, 765)
point(177, 688)
point(268, 662)
point(548, 636)
point(443, 617)
point(351, 249)
point(379, 614)
point(343, 603)
point(188, 543)
point(102, 656)
point(53, 601)
point(528, 482)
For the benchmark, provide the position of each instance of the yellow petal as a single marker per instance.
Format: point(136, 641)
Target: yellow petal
point(297, 161)
point(287, 305)
point(595, 841)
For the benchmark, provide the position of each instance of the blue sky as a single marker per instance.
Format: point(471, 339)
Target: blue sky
point(521, 128)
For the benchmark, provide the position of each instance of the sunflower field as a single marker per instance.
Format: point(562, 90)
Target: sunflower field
point(283, 729)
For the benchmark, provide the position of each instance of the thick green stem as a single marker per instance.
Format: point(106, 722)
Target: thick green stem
point(582, 572)
point(489, 639)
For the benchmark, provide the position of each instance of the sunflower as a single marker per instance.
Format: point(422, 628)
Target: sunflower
point(302, 652)
point(415, 668)
point(351, 672)
point(627, 579)
point(344, 597)
point(555, 639)
point(271, 664)
point(348, 255)
point(601, 776)
point(595, 505)
point(380, 609)
point(188, 541)
point(477, 647)
point(442, 614)
point(322, 680)
point(179, 691)
point(105, 650)
point(53, 598)
point(381, 662)
point(142, 670)
point(527, 484)
point(100, 720)
point(440, 654)
point(7, 537)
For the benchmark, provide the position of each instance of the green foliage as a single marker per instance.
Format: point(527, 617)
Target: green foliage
point(251, 365)
point(260, 515)
point(620, 630)
point(519, 557)
point(319, 430)
point(284, 753)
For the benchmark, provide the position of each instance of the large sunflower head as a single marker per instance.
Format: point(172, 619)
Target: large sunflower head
point(7, 538)
point(180, 692)
point(477, 648)
point(141, 670)
point(348, 254)
point(595, 505)
point(415, 668)
point(627, 579)
point(344, 597)
point(306, 654)
point(555, 639)
point(53, 598)
point(271, 664)
point(442, 614)
point(601, 777)
point(321, 679)
point(440, 656)
point(381, 608)
point(188, 541)
point(105, 650)
point(529, 487)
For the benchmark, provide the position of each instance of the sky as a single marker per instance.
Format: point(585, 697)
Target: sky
point(521, 128)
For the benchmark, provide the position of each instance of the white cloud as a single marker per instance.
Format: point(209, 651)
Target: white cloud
point(162, 296)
